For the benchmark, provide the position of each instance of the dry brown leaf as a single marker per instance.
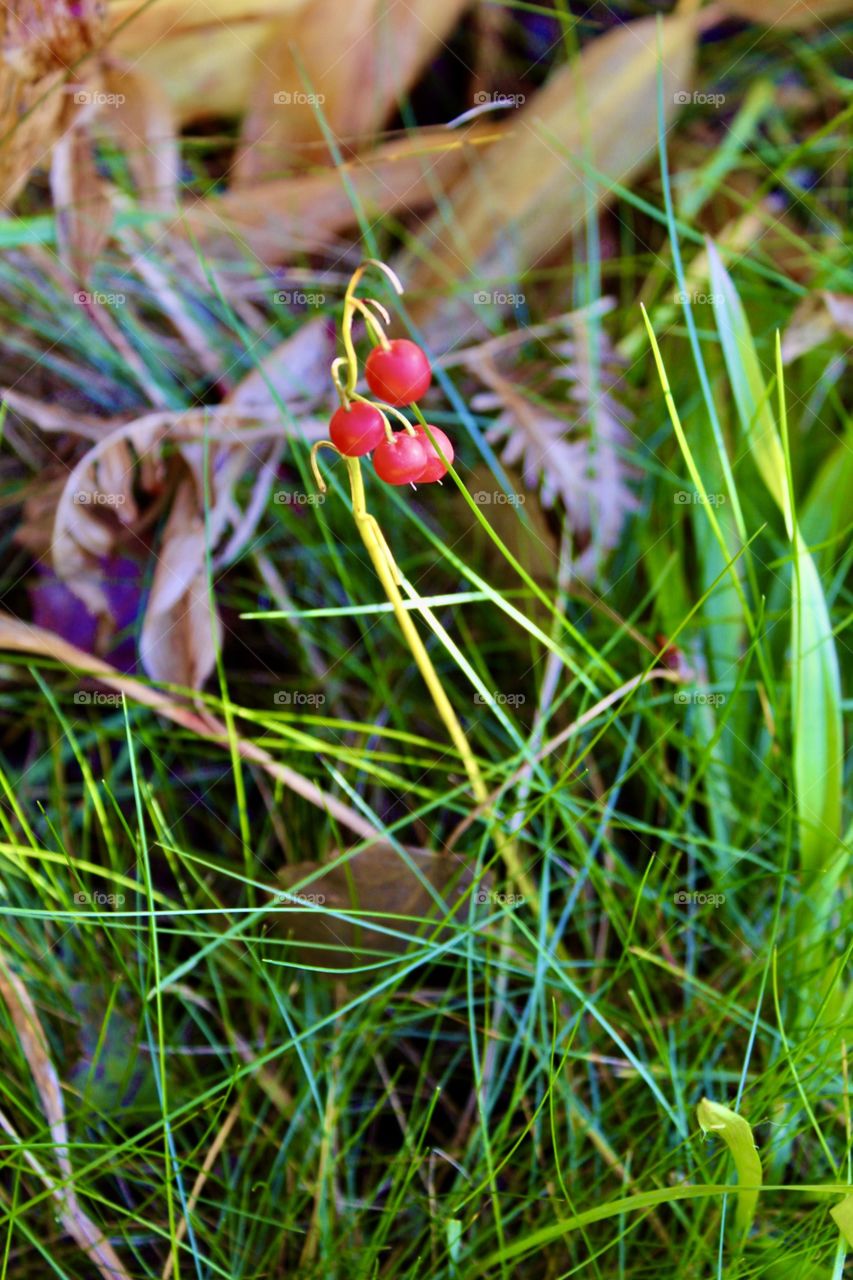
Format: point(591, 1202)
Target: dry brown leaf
point(180, 637)
point(81, 198)
point(791, 15)
point(143, 121)
point(81, 537)
point(529, 193)
point(97, 510)
point(279, 218)
point(204, 54)
point(58, 417)
point(376, 882)
point(295, 374)
point(569, 450)
point(22, 637)
point(30, 1032)
point(39, 41)
point(349, 63)
point(819, 317)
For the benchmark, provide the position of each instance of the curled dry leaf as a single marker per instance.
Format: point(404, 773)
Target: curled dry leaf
point(278, 218)
point(97, 515)
point(85, 1233)
point(532, 190)
point(39, 41)
point(354, 61)
point(180, 635)
point(376, 887)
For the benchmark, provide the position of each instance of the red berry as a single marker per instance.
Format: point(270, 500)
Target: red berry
point(435, 468)
point(357, 430)
point(399, 375)
point(400, 459)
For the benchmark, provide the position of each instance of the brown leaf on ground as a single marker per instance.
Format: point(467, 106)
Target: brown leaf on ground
point(204, 54)
point(531, 190)
point(21, 637)
point(85, 1233)
point(345, 65)
point(81, 199)
point(180, 632)
point(39, 41)
point(818, 318)
point(143, 122)
point(58, 417)
point(97, 514)
point(295, 374)
point(278, 218)
point(423, 894)
point(791, 15)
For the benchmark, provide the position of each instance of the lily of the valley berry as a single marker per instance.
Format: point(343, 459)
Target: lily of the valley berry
point(398, 373)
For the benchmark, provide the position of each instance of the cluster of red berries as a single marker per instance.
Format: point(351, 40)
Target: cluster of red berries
point(397, 374)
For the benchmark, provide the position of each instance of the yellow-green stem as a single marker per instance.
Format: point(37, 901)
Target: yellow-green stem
point(390, 576)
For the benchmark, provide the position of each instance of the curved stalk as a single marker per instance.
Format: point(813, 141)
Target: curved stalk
point(392, 579)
